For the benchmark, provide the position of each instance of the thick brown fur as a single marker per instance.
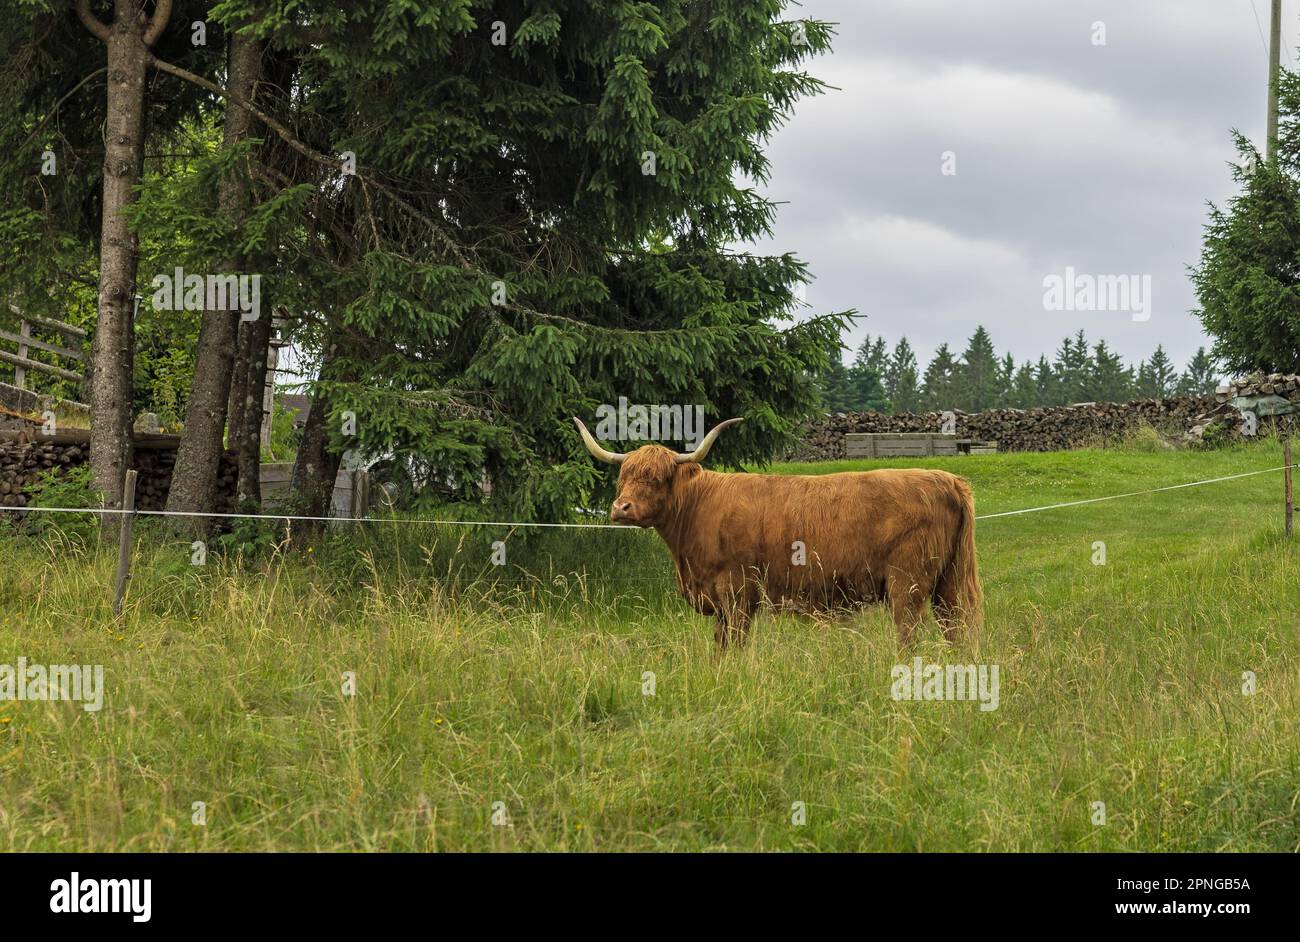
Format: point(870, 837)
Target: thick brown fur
point(898, 536)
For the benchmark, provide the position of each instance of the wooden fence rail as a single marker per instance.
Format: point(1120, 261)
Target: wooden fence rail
point(25, 343)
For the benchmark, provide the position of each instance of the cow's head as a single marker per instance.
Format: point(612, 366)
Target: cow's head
point(650, 478)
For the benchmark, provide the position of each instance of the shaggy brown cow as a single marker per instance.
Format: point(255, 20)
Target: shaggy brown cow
point(814, 542)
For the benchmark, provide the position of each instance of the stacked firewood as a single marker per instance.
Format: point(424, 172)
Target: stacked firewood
point(1042, 429)
point(22, 463)
point(1272, 398)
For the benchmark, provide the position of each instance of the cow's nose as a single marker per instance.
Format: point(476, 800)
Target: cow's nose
point(621, 508)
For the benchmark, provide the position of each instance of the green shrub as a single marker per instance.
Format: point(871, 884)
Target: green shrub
point(64, 487)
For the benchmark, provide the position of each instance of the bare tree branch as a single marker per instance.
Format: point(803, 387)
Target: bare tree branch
point(162, 12)
point(88, 20)
point(280, 130)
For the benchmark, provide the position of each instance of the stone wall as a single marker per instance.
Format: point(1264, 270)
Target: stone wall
point(16, 403)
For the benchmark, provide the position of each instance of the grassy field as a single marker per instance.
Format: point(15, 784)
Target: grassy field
point(1121, 683)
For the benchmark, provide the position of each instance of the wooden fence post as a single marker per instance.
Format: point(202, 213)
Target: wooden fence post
point(1286, 455)
point(20, 372)
point(124, 541)
point(360, 494)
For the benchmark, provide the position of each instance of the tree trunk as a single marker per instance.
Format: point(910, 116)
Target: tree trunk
point(238, 385)
point(112, 350)
point(249, 443)
point(194, 480)
point(317, 465)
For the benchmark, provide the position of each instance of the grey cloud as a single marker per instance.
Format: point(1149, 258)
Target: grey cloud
point(1101, 158)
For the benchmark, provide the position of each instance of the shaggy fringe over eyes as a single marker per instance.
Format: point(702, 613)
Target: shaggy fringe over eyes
point(651, 464)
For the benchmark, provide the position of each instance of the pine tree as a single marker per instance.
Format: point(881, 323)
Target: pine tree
point(1157, 378)
point(1006, 380)
point(867, 376)
point(835, 388)
point(978, 381)
point(939, 386)
point(901, 380)
point(1048, 385)
point(1199, 378)
point(1024, 393)
point(1248, 279)
point(1108, 379)
point(542, 228)
point(1073, 368)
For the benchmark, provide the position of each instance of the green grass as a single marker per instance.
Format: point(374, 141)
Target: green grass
point(1120, 683)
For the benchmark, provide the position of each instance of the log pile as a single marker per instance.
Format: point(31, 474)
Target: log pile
point(1261, 384)
point(22, 463)
point(1055, 428)
point(1273, 398)
point(155, 480)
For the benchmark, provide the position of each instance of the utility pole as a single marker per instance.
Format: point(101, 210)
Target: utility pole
point(1274, 48)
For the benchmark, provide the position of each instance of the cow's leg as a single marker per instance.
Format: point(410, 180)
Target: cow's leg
point(907, 603)
point(735, 612)
point(947, 610)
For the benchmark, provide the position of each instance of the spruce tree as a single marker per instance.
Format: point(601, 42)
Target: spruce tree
point(1157, 377)
point(867, 376)
point(901, 379)
point(979, 382)
point(1047, 385)
point(1073, 368)
point(873, 355)
point(1108, 379)
point(489, 218)
point(1199, 379)
point(939, 385)
point(1248, 278)
point(1024, 392)
point(1006, 380)
point(907, 392)
point(834, 387)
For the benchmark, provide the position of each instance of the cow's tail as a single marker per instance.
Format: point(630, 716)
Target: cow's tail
point(959, 592)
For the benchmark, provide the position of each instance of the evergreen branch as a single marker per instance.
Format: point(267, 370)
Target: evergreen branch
point(310, 152)
point(59, 104)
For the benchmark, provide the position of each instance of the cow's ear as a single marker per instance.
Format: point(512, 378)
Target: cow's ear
point(686, 470)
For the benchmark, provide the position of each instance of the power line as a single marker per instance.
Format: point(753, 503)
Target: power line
point(1264, 43)
point(1274, 46)
point(1259, 28)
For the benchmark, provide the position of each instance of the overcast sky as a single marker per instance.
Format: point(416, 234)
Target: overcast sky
point(1066, 153)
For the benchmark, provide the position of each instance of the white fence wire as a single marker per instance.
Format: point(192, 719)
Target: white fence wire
point(108, 511)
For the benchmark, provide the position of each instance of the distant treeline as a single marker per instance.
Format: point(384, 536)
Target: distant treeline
point(978, 378)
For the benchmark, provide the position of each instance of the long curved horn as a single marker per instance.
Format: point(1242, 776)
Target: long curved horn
point(609, 457)
point(703, 449)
